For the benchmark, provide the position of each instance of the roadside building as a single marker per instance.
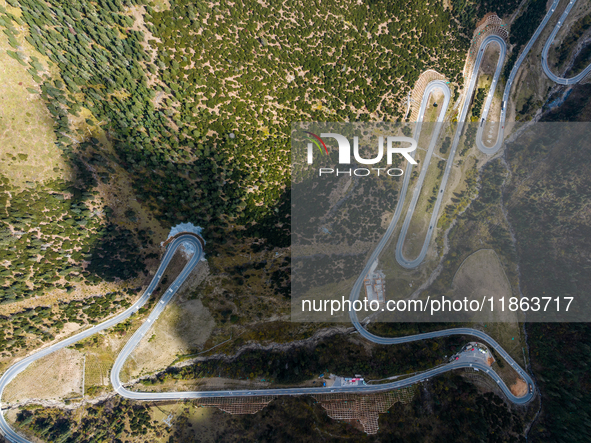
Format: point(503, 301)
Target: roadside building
point(375, 284)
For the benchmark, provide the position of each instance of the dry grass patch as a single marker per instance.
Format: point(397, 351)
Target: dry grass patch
point(28, 153)
point(184, 326)
point(54, 377)
point(97, 369)
point(482, 276)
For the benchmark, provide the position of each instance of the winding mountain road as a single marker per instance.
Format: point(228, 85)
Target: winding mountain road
point(21, 365)
point(491, 150)
point(402, 261)
point(192, 239)
point(556, 79)
point(432, 86)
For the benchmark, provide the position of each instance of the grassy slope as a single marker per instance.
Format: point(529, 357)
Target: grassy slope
point(27, 150)
point(564, 381)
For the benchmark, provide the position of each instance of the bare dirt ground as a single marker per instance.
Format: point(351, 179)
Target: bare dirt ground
point(57, 376)
point(519, 388)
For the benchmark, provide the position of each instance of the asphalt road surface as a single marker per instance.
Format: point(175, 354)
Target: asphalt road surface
point(120, 388)
point(562, 81)
point(21, 365)
point(501, 130)
point(402, 261)
point(432, 86)
point(356, 291)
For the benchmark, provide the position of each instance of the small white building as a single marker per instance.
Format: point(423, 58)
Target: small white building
point(375, 284)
